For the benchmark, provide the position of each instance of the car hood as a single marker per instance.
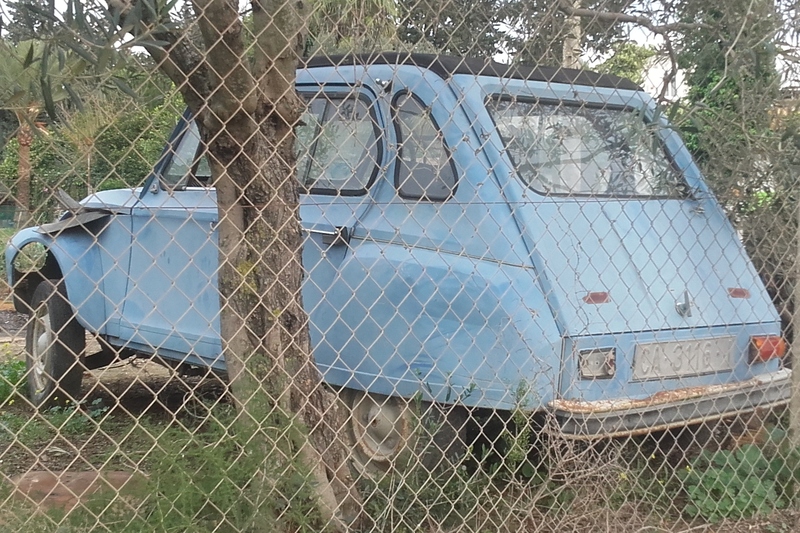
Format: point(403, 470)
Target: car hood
point(113, 200)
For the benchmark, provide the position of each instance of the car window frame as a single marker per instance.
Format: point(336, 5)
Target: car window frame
point(399, 137)
point(184, 124)
point(359, 93)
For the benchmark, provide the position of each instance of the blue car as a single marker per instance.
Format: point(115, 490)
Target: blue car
point(486, 236)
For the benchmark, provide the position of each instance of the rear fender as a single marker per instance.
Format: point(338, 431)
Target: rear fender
point(454, 329)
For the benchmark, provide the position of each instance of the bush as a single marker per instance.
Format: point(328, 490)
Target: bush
point(739, 483)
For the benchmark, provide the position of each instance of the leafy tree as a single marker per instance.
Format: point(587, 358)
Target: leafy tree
point(532, 31)
point(459, 27)
point(117, 140)
point(8, 126)
point(539, 28)
point(731, 65)
point(629, 61)
point(28, 20)
point(124, 151)
point(340, 26)
point(733, 84)
point(29, 83)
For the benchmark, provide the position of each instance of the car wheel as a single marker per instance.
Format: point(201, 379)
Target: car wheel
point(54, 346)
point(389, 434)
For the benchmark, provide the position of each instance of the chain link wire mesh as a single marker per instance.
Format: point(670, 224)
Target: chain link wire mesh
point(400, 266)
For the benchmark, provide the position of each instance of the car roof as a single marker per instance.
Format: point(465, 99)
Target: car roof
point(448, 66)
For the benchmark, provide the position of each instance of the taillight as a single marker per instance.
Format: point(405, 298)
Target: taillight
point(767, 347)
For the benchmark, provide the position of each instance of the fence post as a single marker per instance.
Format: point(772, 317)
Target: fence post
point(794, 404)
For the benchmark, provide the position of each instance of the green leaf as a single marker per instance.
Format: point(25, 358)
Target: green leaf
point(28, 57)
point(124, 87)
point(104, 57)
point(147, 42)
point(81, 51)
point(49, 102)
point(73, 97)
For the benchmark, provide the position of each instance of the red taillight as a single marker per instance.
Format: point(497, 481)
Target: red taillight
point(738, 292)
point(597, 298)
point(765, 348)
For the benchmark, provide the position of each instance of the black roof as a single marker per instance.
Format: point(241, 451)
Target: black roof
point(447, 66)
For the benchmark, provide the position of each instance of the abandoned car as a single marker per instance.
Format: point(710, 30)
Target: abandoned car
point(486, 236)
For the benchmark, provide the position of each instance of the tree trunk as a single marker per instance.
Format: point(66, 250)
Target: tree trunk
point(22, 216)
point(571, 51)
point(264, 327)
point(246, 109)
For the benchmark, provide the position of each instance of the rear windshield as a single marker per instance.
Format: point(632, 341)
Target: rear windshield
point(576, 150)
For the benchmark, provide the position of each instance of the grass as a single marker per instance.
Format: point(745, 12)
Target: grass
point(200, 477)
point(12, 380)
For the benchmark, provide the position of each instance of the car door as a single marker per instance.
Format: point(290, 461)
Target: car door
point(426, 303)
point(172, 302)
point(341, 154)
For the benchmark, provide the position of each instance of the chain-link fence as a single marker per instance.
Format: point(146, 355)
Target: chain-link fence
point(399, 266)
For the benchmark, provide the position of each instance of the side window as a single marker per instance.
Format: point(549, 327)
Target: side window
point(424, 169)
point(338, 148)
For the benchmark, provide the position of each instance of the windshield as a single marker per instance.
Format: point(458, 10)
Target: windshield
point(187, 165)
point(576, 150)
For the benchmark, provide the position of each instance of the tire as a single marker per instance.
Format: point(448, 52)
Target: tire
point(387, 434)
point(54, 347)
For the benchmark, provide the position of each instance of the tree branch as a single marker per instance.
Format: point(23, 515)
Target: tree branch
point(613, 16)
point(181, 59)
point(221, 28)
point(660, 29)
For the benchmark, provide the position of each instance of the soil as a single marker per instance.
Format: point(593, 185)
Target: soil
point(12, 324)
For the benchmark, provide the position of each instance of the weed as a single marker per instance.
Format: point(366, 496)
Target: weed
point(227, 484)
point(69, 420)
point(448, 497)
point(72, 421)
point(201, 479)
point(737, 483)
point(644, 477)
point(24, 429)
point(12, 379)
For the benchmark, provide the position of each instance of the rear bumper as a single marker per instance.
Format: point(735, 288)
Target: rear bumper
point(611, 418)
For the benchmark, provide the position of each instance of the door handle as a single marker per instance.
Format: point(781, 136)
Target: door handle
point(339, 236)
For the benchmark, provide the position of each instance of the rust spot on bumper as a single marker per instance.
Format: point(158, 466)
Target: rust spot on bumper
point(665, 409)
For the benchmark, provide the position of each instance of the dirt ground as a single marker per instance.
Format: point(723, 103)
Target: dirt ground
point(119, 394)
point(12, 324)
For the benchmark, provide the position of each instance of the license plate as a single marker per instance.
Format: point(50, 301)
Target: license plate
point(660, 360)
